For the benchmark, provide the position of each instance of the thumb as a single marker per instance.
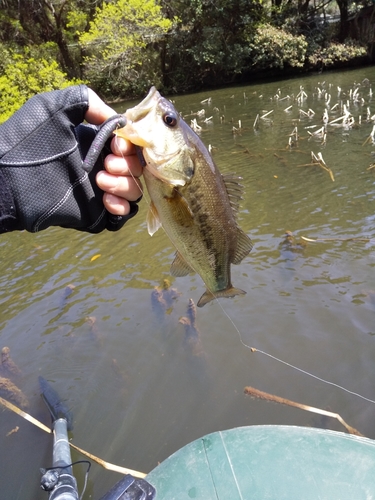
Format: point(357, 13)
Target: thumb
point(98, 110)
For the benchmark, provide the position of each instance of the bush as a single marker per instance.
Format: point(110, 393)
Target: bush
point(272, 47)
point(24, 76)
point(336, 53)
point(122, 56)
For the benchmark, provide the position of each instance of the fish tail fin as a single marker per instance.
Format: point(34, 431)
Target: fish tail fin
point(228, 292)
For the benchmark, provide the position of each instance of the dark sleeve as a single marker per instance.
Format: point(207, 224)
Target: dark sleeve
point(42, 181)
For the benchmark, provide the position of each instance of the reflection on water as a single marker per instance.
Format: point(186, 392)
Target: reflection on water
point(133, 381)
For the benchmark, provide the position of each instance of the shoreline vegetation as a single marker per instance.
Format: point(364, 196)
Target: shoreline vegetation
point(122, 47)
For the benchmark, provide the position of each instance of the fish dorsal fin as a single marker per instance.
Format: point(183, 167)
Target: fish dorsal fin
point(153, 220)
point(234, 189)
point(180, 267)
point(244, 246)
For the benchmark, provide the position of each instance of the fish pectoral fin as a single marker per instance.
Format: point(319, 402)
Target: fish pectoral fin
point(228, 292)
point(179, 207)
point(180, 267)
point(153, 220)
point(244, 246)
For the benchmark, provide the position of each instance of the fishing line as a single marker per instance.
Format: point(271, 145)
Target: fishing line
point(254, 349)
point(142, 162)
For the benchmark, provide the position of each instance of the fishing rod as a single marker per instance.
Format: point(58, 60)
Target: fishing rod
point(59, 480)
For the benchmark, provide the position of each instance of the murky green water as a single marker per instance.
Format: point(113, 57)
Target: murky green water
point(136, 389)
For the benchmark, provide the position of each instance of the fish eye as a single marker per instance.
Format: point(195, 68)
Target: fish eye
point(170, 119)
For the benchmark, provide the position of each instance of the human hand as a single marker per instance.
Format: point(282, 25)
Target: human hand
point(43, 179)
point(120, 179)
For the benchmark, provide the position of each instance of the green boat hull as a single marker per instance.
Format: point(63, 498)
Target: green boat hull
point(269, 462)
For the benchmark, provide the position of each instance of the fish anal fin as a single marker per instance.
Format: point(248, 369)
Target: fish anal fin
point(153, 220)
point(180, 267)
point(228, 292)
point(244, 246)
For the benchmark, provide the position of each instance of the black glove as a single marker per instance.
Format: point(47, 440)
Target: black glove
point(42, 179)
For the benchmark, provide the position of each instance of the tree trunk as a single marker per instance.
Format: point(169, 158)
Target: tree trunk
point(344, 14)
point(43, 23)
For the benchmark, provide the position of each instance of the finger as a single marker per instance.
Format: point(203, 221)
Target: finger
point(127, 165)
point(116, 205)
point(121, 146)
point(98, 110)
point(125, 187)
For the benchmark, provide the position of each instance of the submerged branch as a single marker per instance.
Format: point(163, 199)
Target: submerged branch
point(103, 463)
point(317, 160)
point(366, 240)
point(251, 391)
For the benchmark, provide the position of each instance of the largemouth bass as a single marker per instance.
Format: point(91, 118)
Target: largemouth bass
point(194, 203)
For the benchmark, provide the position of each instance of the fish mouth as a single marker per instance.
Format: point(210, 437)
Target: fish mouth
point(144, 107)
point(134, 115)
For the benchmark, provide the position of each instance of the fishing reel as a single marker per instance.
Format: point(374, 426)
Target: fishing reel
point(59, 480)
point(128, 488)
point(49, 479)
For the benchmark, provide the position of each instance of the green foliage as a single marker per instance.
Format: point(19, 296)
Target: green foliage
point(336, 54)
point(120, 46)
point(272, 47)
point(11, 29)
point(208, 46)
point(76, 21)
point(24, 76)
point(5, 58)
